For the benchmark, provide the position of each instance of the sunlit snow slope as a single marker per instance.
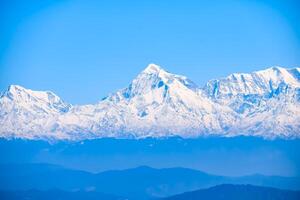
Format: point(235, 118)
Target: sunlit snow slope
point(160, 104)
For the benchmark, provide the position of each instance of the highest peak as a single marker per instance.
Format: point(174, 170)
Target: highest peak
point(152, 69)
point(154, 72)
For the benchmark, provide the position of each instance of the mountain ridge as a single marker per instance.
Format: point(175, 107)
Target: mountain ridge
point(156, 103)
point(145, 182)
point(235, 192)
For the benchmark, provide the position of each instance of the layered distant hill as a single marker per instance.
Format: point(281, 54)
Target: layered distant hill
point(160, 104)
point(237, 192)
point(56, 194)
point(220, 192)
point(136, 183)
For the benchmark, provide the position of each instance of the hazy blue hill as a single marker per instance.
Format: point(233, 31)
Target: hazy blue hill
point(238, 192)
point(136, 183)
point(228, 156)
point(141, 181)
point(220, 192)
point(42, 176)
point(56, 195)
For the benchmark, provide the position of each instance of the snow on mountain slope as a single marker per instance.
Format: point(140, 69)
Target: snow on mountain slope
point(259, 82)
point(157, 99)
point(27, 113)
point(151, 104)
point(271, 117)
point(159, 104)
point(267, 101)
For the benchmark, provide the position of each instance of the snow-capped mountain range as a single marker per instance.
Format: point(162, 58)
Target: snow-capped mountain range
point(160, 104)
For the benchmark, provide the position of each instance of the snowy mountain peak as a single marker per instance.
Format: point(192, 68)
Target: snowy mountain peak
point(258, 82)
point(154, 78)
point(14, 90)
point(152, 69)
point(278, 73)
point(158, 104)
point(19, 96)
point(154, 72)
point(15, 87)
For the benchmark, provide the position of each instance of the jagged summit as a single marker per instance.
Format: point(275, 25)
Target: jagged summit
point(22, 94)
point(15, 87)
point(155, 82)
point(258, 82)
point(13, 90)
point(280, 74)
point(158, 103)
point(18, 90)
point(20, 99)
point(155, 72)
point(152, 69)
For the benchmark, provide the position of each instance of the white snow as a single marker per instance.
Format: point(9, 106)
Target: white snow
point(160, 104)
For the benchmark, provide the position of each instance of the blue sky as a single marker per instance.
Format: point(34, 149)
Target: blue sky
point(82, 50)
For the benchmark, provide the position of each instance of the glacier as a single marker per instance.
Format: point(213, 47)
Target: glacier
point(158, 103)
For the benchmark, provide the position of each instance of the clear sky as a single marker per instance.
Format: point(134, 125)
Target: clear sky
point(82, 50)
